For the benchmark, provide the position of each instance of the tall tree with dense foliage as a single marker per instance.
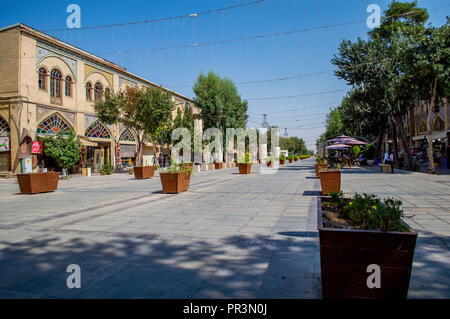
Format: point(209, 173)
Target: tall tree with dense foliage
point(429, 67)
point(379, 69)
point(220, 104)
point(147, 110)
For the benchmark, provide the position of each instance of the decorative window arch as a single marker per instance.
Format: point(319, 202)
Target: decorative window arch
point(98, 91)
point(55, 83)
point(438, 123)
point(42, 82)
point(97, 130)
point(4, 126)
point(127, 136)
point(52, 125)
point(88, 91)
point(422, 127)
point(68, 86)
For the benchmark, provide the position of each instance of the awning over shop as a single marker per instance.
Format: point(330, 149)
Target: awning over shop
point(127, 151)
point(88, 143)
point(434, 136)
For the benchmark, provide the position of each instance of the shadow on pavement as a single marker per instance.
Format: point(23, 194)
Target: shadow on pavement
point(146, 266)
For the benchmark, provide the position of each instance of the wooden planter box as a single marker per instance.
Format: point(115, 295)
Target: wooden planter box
point(385, 168)
point(282, 162)
point(218, 165)
point(143, 172)
point(245, 168)
point(330, 181)
point(269, 164)
point(346, 253)
point(174, 183)
point(290, 160)
point(38, 182)
point(319, 167)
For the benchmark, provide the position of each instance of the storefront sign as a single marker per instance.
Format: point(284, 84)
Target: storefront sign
point(36, 147)
point(4, 144)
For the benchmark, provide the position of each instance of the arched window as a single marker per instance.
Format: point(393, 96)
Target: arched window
point(422, 127)
point(127, 136)
point(438, 124)
point(52, 125)
point(42, 79)
point(68, 86)
point(98, 91)
point(88, 91)
point(55, 83)
point(97, 129)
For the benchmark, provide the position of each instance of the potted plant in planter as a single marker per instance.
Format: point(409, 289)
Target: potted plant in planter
point(282, 159)
point(330, 180)
point(175, 179)
point(65, 149)
point(218, 165)
point(245, 164)
point(321, 164)
point(269, 161)
point(187, 164)
point(290, 158)
point(296, 158)
point(366, 250)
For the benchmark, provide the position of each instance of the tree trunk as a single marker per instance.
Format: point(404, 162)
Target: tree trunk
point(431, 168)
point(395, 145)
point(403, 142)
point(379, 139)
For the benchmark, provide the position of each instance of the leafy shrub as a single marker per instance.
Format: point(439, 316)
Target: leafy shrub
point(369, 151)
point(245, 158)
point(356, 150)
point(282, 157)
point(176, 168)
point(65, 149)
point(369, 212)
point(107, 169)
point(321, 160)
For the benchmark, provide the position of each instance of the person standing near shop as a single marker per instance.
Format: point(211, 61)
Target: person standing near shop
point(391, 161)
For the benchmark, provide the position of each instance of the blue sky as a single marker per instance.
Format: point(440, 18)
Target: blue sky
point(300, 53)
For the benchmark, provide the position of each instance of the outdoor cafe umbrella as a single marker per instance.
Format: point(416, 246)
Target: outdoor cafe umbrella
point(338, 146)
point(344, 139)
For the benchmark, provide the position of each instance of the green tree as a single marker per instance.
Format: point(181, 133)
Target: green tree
point(65, 149)
point(220, 104)
point(429, 66)
point(147, 110)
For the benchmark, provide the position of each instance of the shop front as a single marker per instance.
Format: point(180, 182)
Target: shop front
point(5, 147)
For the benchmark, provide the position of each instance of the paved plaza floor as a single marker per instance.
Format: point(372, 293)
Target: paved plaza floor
point(229, 236)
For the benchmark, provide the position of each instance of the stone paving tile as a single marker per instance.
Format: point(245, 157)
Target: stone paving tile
point(230, 236)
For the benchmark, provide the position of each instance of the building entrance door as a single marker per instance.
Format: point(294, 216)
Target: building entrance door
point(98, 160)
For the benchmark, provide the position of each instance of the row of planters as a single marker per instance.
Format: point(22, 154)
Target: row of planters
point(283, 159)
